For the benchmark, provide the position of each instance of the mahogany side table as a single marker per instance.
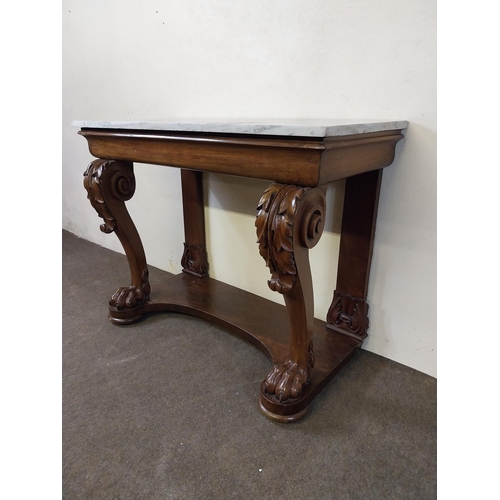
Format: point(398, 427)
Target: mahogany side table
point(300, 158)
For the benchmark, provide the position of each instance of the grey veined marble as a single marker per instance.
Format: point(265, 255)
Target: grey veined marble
point(297, 128)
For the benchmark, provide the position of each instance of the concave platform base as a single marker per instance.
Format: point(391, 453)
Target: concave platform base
point(258, 320)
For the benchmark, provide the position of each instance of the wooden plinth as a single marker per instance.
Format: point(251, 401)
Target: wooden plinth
point(259, 321)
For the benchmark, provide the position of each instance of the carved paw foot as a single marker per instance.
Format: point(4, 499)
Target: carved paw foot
point(127, 297)
point(286, 380)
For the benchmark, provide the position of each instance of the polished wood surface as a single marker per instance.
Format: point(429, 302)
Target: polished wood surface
point(305, 162)
point(289, 222)
point(305, 352)
point(348, 312)
point(257, 320)
point(109, 185)
point(194, 259)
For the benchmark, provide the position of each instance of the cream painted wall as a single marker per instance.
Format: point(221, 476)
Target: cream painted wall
point(154, 59)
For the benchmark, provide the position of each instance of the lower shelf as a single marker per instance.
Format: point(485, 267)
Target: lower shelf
point(260, 321)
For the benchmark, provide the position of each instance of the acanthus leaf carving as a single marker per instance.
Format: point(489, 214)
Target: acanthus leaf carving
point(122, 185)
point(275, 231)
point(109, 183)
point(348, 314)
point(194, 260)
point(290, 221)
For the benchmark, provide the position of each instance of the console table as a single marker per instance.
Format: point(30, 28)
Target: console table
point(300, 158)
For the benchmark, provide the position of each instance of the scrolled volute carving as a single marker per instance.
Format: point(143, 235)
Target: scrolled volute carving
point(121, 179)
point(313, 220)
point(276, 221)
point(123, 184)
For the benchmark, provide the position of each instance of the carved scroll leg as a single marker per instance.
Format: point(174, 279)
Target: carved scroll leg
point(290, 220)
point(194, 260)
point(348, 313)
point(109, 183)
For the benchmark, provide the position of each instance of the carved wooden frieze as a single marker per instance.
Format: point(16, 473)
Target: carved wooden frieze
point(348, 315)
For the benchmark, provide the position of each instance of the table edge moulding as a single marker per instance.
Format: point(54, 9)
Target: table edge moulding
point(300, 158)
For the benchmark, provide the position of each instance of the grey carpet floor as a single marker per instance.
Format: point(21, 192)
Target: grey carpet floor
point(167, 409)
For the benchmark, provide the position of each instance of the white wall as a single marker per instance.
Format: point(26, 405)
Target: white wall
point(127, 59)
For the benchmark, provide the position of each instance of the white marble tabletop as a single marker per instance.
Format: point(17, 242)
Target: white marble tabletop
point(297, 128)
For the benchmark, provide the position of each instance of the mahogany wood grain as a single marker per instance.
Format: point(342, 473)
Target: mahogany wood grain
point(289, 222)
point(305, 162)
point(352, 155)
point(194, 260)
point(259, 321)
point(305, 352)
point(349, 309)
point(109, 185)
point(294, 161)
point(358, 232)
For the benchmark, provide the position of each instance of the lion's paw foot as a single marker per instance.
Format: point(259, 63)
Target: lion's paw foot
point(127, 297)
point(286, 380)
